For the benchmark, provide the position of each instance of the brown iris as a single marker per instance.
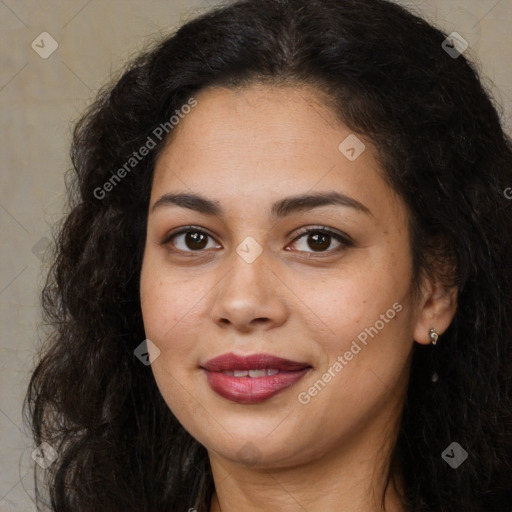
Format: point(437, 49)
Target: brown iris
point(195, 240)
point(319, 241)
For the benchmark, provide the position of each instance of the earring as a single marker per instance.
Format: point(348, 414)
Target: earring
point(434, 335)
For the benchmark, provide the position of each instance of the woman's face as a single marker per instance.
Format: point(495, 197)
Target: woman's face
point(246, 173)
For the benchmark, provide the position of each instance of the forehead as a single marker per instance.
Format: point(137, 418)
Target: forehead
point(263, 142)
point(258, 120)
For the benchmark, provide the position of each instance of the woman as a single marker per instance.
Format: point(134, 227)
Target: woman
point(285, 279)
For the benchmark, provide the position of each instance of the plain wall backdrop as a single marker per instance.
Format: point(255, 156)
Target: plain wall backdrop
point(41, 96)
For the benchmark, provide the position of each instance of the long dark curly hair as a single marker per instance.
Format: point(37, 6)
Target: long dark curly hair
point(440, 140)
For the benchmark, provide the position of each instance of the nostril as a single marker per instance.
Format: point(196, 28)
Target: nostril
point(260, 320)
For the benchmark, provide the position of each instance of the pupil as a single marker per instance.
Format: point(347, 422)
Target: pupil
point(321, 241)
point(195, 240)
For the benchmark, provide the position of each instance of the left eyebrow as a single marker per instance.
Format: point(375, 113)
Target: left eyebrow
point(305, 202)
point(279, 209)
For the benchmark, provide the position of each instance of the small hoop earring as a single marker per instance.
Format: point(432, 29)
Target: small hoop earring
point(434, 335)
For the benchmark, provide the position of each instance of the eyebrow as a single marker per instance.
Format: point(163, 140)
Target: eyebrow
point(280, 209)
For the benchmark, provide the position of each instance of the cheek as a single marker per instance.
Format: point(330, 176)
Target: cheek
point(168, 301)
point(168, 307)
point(365, 338)
point(354, 301)
point(173, 309)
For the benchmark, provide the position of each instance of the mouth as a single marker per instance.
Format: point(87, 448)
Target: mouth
point(252, 379)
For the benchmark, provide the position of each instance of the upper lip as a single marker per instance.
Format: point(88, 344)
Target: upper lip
point(253, 362)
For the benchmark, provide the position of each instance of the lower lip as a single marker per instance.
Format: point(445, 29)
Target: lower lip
point(249, 390)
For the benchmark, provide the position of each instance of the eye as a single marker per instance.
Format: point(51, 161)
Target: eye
point(320, 240)
point(190, 240)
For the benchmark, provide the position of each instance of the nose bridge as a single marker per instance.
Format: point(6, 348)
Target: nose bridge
point(248, 279)
point(248, 291)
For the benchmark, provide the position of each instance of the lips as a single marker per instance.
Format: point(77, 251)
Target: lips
point(252, 379)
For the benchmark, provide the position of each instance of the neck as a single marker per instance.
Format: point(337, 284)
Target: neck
point(354, 481)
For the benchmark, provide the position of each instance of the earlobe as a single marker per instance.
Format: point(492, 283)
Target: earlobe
point(436, 311)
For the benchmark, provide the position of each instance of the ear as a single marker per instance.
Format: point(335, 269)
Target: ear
point(436, 309)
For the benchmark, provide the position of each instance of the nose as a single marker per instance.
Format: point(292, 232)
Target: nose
point(250, 296)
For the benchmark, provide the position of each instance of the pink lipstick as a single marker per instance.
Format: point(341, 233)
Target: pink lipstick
point(252, 379)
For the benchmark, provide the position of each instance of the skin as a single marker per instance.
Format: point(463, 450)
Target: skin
point(246, 149)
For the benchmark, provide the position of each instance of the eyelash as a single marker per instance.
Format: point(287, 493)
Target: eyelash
point(344, 240)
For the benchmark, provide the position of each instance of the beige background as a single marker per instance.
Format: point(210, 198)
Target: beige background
point(39, 101)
